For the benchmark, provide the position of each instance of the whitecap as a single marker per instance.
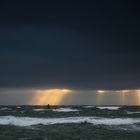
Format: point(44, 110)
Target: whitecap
point(18, 107)
point(89, 106)
point(39, 109)
point(109, 107)
point(65, 110)
point(129, 112)
point(4, 108)
point(29, 121)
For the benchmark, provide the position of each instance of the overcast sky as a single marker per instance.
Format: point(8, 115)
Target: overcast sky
point(79, 45)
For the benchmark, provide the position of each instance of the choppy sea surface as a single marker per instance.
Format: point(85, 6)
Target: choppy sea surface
point(70, 123)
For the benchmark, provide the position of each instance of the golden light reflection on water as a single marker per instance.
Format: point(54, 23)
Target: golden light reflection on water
point(49, 96)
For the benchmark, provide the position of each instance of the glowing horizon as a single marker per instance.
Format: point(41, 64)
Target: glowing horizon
point(49, 96)
point(122, 93)
point(56, 96)
point(65, 96)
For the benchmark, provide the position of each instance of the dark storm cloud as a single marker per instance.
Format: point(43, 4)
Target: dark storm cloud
point(81, 44)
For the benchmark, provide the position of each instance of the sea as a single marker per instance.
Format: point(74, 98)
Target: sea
point(70, 122)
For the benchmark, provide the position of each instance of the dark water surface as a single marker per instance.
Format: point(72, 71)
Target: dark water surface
point(70, 123)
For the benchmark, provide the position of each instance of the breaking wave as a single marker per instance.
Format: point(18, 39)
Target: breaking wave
point(29, 121)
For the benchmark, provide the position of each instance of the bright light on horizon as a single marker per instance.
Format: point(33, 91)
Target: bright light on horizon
point(64, 96)
point(49, 96)
point(101, 91)
point(123, 94)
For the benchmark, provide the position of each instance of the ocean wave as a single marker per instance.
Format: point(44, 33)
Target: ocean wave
point(109, 107)
point(65, 110)
point(29, 121)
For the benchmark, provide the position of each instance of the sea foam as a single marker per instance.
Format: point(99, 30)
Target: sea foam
point(29, 121)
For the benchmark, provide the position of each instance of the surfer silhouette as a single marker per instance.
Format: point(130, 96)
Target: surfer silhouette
point(48, 106)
